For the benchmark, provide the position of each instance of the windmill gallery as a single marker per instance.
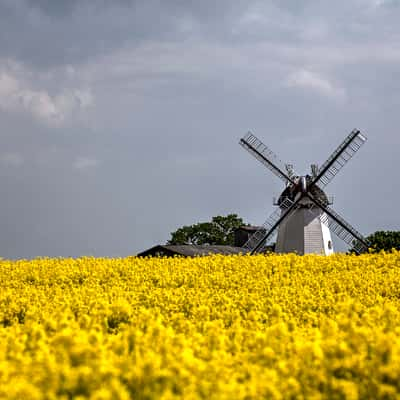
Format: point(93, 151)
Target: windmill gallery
point(303, 219)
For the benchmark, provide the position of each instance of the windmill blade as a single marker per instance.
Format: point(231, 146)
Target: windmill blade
point(263, 154)
point(339, 158)
point(341, 228)
point(262, 236)
point(344, 230)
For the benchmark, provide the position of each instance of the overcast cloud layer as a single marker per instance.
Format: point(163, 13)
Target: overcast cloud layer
point(120, 123)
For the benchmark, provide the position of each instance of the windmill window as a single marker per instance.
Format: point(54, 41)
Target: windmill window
point(329, 245)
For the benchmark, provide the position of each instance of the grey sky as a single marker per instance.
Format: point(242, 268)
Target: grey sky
point(119, 121)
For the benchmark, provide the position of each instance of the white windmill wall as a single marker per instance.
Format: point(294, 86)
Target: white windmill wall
point(313, 238)
point(304, 233)
point(291, 234)
point(326, 233)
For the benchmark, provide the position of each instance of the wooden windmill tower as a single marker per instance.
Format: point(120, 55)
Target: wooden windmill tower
point(304, 220)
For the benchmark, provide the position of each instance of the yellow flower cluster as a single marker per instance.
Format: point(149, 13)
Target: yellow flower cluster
point(217, 327)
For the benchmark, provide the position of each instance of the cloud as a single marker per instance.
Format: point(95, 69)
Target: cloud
point(85, 163)
point(308, 80)
point(11, 159)
point(385, 3)
point(17, 96)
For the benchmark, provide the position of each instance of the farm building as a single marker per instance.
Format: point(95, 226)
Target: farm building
point(190, 250)
point(242, 235)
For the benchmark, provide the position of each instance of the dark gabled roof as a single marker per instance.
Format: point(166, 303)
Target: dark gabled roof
point(191, 250)
point(250, 228)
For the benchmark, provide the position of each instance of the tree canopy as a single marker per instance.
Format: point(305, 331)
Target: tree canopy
point(384, 240)
point(219, 231)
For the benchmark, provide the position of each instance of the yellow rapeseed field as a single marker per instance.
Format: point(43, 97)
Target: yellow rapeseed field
point(218, 327)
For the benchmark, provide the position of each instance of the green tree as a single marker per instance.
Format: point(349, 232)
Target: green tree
point(220, 231)
point(384, 240)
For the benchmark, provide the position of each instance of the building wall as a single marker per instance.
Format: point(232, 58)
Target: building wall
point(304, 233)
point(241, 237)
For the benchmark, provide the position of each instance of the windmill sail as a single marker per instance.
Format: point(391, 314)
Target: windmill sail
point(263, 235)
point(339, 158)
point(344, 231)
point(266, 156)
point(341, 228)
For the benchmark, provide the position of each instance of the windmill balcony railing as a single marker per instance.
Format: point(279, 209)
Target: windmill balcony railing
point(275, 200)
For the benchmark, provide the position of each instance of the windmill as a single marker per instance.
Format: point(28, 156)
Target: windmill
point(304, 218)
